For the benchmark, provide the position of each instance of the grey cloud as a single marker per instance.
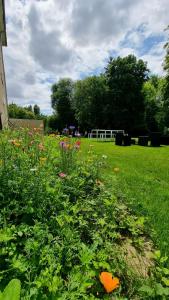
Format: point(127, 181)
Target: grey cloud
point(29, 78)
point(99, 20)
point(46, 47)
point(15, 89)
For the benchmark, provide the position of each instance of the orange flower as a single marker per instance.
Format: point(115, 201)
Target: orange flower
point(109, 283)
point(17, 144)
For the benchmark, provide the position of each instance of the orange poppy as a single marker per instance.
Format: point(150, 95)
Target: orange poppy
point(109, 283)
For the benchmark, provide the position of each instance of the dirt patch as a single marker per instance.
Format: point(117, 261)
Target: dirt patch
point(139, 261)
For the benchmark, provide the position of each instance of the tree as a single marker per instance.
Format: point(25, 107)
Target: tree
point(88, 100)
point(61, 99)
point(29, 108)
point(125, 106)
point(166, 87)
point(153, 95)
point(36, 110)
point(18, 112)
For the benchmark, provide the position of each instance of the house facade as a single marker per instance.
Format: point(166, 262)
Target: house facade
point(3, 93)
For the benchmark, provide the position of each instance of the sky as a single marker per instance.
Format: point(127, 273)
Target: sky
point(53, 39)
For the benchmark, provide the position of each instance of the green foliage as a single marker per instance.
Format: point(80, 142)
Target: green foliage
point(36, 110)
point(166, 87)
point(12, 291)
point(125, 77)
point(19, 112)
point(153, 91)
point(62, 103)
point(89, 100)
point(53, 123)
point(58, 233)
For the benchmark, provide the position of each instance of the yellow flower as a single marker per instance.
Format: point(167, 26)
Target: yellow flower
point(42, 159)
point(17, 144)
point(109, 283)
point(116, 170)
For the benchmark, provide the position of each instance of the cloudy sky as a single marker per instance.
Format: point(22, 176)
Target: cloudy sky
point(52, 39)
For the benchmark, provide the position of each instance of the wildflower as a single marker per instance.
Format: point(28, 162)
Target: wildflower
point(62, 144)
point(17, 144)
point(104, 156)
point(78, 143)
point(42, 159)
point(41, 147)
point(116, 170)
point(109, 283)
point(62, 175)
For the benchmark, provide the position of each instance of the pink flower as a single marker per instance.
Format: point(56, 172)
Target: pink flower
point(62, 175)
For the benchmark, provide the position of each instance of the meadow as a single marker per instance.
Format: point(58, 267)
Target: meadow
point(143, 178)
point(70, 227)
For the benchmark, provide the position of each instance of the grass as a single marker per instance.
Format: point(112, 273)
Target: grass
point(144, 180)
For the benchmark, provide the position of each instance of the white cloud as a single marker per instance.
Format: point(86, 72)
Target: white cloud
point(49, 39)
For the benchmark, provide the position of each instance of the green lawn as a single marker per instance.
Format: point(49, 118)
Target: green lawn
point(144, 180)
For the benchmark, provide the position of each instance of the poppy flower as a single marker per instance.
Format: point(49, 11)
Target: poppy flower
point(109, 283)
point(78, 143)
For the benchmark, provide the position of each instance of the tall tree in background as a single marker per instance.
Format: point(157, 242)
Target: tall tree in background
point(125, 78)
point(154, 110)
point(36, 110)
point(89, 100)
point(166, 88)
point(61, 99)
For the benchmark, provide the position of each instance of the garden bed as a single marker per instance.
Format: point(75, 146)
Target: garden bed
point(62, 225)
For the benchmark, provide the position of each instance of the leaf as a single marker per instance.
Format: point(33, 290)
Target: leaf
point(5, 235)
point(163, 259)
point(165, 271)
point(157, 254)
point(147, 290)
point(12, 290)
point(166, 281)
point(161, 291)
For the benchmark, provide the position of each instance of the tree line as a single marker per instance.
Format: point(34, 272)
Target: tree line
point(125, 96)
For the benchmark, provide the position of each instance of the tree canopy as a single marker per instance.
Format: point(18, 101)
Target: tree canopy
point(125, 78)
point(61, 100)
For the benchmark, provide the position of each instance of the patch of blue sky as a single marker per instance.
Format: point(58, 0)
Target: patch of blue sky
point(92, 72)
point(150, 42)
point(47, 80)
point(137, 39)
